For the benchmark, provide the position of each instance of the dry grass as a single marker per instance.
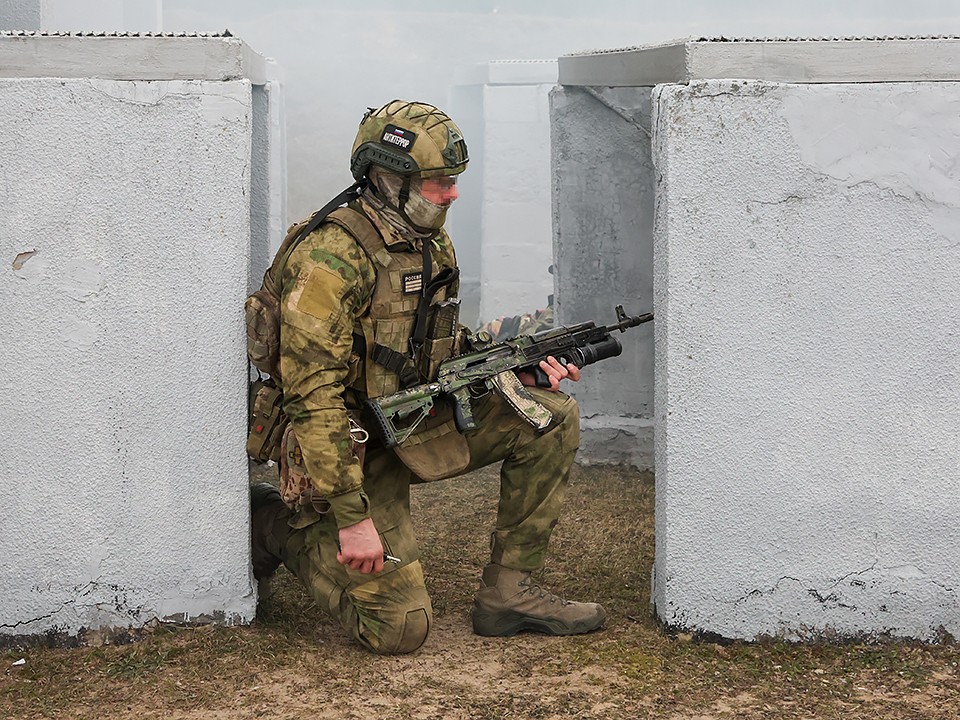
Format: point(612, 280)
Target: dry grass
point(295, 663)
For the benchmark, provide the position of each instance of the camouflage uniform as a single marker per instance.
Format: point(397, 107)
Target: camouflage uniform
point(326, 285)
point(344, 300)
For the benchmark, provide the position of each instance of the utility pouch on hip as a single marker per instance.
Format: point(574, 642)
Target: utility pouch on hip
point(437, 450)
point(267, 421)
point(296, 486)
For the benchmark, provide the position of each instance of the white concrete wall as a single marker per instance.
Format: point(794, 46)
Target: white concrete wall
point(277, 164)
point(808, 361)
point(465, 219)
point(268, 174)
point(20, 15)
point(603, 241)
point(125, 234)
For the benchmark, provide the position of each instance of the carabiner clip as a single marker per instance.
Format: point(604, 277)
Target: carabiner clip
point(357, 433)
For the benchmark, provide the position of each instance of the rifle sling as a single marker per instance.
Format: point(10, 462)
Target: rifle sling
point(419, 333)
point(348, 195)
point(397, 362)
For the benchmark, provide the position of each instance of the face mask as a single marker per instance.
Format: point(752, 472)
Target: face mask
point(420, 211)
point(423, 212)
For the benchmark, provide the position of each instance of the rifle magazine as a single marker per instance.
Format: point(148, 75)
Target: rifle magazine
point(516, 395)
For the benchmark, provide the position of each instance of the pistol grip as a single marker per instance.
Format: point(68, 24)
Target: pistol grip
point(463, 411)
point(541, 378)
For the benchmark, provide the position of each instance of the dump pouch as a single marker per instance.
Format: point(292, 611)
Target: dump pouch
point(437, 450)
point(267, 421)
point(296, 487)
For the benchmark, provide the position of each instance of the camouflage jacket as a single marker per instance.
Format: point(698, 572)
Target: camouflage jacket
point(326, 291)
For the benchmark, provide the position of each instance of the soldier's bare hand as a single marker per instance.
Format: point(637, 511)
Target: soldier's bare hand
point(555, 372)
point(360, 547)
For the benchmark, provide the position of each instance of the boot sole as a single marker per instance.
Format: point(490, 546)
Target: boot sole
point(507, 624)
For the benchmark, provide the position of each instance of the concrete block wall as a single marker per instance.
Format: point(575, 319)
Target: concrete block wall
point(603, 205)
point(276, 176)
point(465, 218)
point(808, 360)
point(268, 181)
point(807, 375)
point(516, 245)
point(502, 222)
point(125, 234)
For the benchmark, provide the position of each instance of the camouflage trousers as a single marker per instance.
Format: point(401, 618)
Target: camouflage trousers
point(390, 612)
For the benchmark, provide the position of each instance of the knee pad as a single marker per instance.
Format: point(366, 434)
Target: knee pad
point(415, 627)
point(399, 632)
point(390, 614)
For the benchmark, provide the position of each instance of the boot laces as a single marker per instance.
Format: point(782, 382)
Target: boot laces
point(532, 587)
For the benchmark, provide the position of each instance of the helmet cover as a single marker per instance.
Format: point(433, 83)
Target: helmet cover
point(408, 139)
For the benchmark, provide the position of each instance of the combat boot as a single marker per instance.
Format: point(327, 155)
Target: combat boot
point(510, 601)
point(268, 529)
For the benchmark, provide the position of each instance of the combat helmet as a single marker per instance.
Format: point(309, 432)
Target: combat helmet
point(408, 139)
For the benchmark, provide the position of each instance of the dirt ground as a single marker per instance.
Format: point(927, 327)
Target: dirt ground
point(294, 662)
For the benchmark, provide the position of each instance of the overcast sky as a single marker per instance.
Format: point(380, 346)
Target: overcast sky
point(339, 56)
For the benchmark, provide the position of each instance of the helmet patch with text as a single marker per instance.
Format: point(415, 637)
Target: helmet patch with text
point(398, 137)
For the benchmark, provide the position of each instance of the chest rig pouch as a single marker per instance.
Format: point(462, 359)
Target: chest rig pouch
point(412, 327)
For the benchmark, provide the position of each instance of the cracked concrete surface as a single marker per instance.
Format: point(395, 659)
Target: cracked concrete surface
point(603, 244)
point(808, 372)
point(123, 485)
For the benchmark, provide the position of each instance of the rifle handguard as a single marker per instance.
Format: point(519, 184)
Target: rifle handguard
point(581, 345)
point(581, 357)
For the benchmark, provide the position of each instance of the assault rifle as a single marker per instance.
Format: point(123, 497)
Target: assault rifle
point(490, 366)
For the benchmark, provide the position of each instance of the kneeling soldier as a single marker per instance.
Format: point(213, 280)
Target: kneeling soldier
point(360, 298)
